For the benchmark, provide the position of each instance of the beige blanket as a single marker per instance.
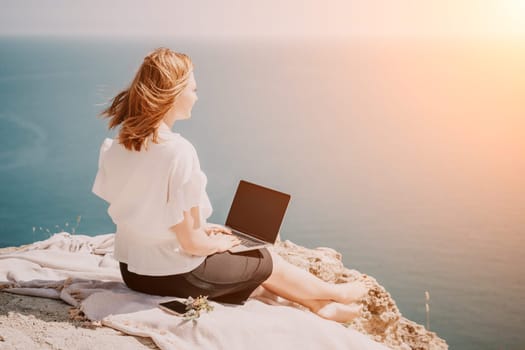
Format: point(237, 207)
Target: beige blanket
point(81, 271)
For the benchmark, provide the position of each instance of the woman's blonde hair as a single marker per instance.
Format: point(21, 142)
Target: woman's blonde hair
point(141, 107)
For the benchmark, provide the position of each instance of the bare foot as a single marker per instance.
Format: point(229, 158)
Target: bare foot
point(351, 292)
point(340, 312)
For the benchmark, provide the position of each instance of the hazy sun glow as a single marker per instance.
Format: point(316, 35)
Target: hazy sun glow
point(516, 12)
point(294, 18)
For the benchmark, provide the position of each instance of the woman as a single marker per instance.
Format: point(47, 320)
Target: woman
point(156, 190)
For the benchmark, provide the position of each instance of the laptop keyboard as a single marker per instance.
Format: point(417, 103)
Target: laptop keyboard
point(247, 242)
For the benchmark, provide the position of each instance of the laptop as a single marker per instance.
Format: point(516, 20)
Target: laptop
point(256, 215)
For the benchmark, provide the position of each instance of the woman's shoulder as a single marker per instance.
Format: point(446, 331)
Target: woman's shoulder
point(177, 152)
point(178, 145)
point(181, 145)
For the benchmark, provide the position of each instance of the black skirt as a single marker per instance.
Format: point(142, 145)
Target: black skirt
point(224, 277)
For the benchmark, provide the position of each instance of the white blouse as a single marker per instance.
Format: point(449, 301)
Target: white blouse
point(147, 192)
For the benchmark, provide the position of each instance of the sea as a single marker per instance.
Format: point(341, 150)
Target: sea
point(405, 155)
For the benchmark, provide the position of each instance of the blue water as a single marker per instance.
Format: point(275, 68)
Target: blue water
point(405, 157)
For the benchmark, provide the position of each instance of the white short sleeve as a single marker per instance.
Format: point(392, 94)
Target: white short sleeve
point(187, 188)
point(100, 187)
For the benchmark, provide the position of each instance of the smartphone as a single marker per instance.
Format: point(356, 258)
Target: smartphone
point(174, 307)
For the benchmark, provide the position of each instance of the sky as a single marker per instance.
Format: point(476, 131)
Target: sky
point(269, 18)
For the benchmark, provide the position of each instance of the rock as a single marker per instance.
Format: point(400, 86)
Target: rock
point(28, 322)
point(380, 319)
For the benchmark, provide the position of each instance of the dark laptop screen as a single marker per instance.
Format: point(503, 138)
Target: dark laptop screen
point(257, 210)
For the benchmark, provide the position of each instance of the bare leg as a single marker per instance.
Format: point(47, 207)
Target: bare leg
point(324, 308)
point(332, 310)
point(296, 284)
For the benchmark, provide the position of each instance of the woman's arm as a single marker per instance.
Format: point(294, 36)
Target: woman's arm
point(193, 238)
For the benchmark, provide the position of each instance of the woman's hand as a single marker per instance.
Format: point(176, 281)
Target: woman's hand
point(224, 241)
point(216, 228)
